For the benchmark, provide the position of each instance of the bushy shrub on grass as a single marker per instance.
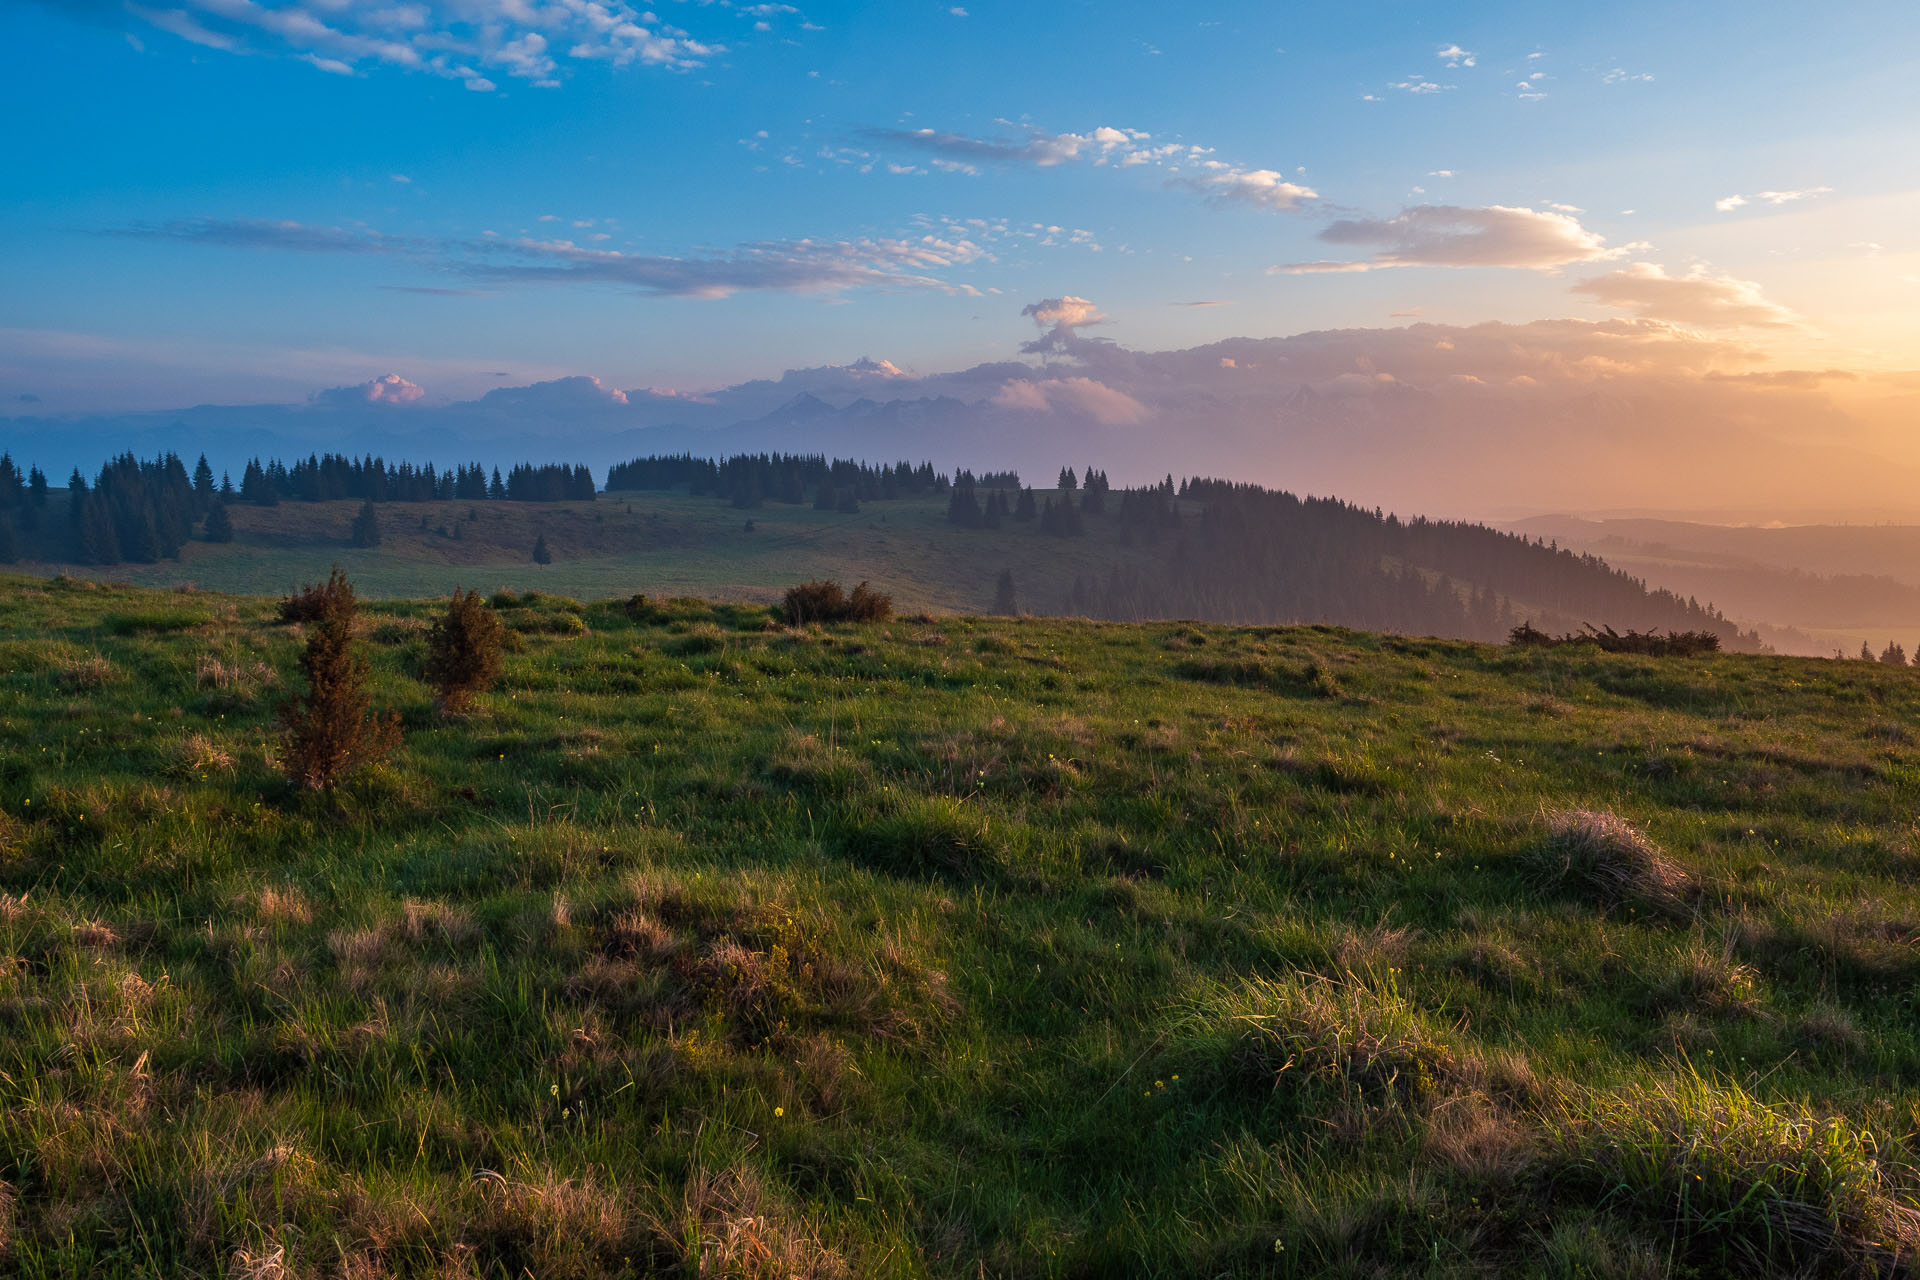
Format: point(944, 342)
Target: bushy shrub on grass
point(1652, 644)
point(328, 733)
point(828, 601)
point(463, 651)
point(316, 601)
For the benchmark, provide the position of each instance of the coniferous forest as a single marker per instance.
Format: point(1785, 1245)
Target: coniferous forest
point(1205, 549)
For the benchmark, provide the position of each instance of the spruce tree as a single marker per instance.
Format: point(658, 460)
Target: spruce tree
point(9, 545)
point(541, 555)
point(1003, 601)
point(219, 525)
point(1893, 655)
point(327, 734)
point(98, 543)
point(366, 526)
point(203, 483)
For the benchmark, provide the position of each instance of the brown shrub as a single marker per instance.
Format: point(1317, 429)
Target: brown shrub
point(827, 601)
point(463, 650)
point(316, 601)
point(328, 734)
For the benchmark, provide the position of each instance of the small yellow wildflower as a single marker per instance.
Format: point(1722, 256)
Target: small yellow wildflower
point(779, 1111)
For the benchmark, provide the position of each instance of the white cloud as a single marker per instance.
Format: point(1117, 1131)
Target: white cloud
point(1788, 197)
point(786, 266)
point(1068, 313)
point(1454, 56)
point(462, 40)
point(1620, 75)
point(1451, 236)
point(1700, 298)
point(392, 389)
point(1414, 84)
point(1776, 198)
point(1039, 149)
point(1095, 399)
point(1261, 187)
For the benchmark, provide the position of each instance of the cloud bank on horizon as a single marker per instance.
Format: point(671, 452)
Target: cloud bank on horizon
point(1477, 420)
point(427, 199)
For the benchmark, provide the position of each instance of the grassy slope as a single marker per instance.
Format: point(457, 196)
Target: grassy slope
point(944, 947)
point(659, 543)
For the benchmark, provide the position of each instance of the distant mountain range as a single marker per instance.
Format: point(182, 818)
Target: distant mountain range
point(1558, 415)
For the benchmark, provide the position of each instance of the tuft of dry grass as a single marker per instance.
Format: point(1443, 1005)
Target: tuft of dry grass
point(1703, 978)
point(1478, 1140)
point(86, 674)
point(197, 755)
point(1608, 859)
point(283, 905)
point(731, 1224)
point(1376, 948)
point(429, 919)
point(236, 675)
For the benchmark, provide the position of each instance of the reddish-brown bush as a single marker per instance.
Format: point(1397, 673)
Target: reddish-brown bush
point(463, 650)
point(315, 601)
point(827, 601)
point(327, 733)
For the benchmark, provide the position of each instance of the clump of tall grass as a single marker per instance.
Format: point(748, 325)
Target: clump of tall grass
point(1607, 858)
point(86, 674)
point(1763, 1189)
point(1359, 1033)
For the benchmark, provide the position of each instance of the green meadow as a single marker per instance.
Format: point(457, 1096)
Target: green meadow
point(673, 543)
point(951, 947)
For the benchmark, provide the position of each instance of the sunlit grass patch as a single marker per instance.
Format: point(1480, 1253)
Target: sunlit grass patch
point(1357, 1033)
point(1733, 1181)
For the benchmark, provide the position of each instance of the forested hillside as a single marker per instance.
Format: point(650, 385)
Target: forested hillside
point(1195, 548)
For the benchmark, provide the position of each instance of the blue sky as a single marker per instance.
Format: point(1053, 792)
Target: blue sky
point(236, 200)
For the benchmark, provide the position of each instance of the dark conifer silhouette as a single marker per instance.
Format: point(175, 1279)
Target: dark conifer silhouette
point(541, 554)
point(1003, 601)
point(219, 525)
point(366, 526)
